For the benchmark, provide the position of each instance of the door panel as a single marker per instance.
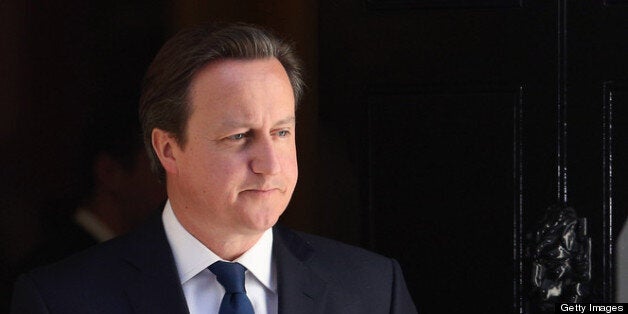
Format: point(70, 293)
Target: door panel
point(446, 147)
point(597, 70)
point(461, 123)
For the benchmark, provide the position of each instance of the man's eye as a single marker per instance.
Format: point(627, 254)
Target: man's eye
point(283, 133)
point(236, 137)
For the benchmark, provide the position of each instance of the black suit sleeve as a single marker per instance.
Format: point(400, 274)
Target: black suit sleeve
point(26, 297)
point(401, 300)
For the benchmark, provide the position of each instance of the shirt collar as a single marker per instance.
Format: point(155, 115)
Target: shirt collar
point(258, 260)
point(94, 226)
point(192, 257)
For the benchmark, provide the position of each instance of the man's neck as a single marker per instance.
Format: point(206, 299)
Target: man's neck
point(227, 245)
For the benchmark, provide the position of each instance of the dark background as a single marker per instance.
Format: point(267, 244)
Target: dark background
point(434, 132)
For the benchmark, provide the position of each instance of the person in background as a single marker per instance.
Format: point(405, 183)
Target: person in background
point(115, 193)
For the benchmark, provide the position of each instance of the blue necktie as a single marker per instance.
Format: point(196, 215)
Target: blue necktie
point(231, 277)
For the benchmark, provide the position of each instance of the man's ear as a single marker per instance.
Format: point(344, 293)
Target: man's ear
point(165, 144)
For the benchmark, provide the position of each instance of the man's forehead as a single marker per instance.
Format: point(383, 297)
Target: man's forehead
point(226, 76)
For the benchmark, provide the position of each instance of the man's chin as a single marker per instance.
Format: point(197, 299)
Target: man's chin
point(261, 224)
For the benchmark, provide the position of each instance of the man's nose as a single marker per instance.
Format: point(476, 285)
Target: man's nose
point(265, 157)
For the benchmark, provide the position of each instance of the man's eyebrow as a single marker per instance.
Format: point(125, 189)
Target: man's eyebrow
point(239, 124)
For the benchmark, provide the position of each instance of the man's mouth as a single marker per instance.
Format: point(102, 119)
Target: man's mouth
point(262, 191)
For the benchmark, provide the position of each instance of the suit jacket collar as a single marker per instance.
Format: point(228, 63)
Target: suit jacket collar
point(157, 288)
point(300, 289)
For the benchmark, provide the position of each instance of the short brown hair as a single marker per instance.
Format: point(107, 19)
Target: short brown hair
point(164, 99)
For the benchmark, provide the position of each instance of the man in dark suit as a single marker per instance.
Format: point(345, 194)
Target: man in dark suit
point(218, 115)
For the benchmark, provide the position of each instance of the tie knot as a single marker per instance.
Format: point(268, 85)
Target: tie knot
point(229, 275)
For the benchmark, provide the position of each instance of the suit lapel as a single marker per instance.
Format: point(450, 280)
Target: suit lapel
point(300, 289)
point(157, 288)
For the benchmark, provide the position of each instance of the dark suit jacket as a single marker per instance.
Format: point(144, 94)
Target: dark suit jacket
point(62, 238)
point(136, 273)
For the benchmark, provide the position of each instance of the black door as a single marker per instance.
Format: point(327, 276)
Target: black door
point(448, 130)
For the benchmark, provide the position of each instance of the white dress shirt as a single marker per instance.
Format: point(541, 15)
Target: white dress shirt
point(203, 293)
point(93, 226)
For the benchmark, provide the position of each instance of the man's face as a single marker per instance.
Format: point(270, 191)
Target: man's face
point(238, 167)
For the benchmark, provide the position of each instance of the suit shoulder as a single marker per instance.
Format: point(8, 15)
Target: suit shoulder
point(345, 250)
point(101, 262)
point(332, 254)
point(353, 276)
point(90, 263)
